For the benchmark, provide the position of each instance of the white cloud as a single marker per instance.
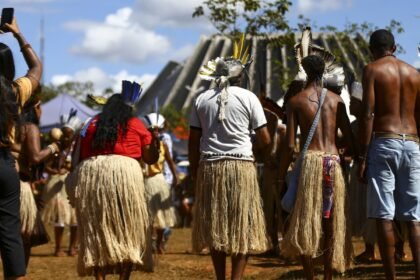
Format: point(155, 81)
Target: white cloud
point(322, 5)
point(117, 39)
point(417, 64)
point(102, 80)
point(182, 53)
point(173, 13)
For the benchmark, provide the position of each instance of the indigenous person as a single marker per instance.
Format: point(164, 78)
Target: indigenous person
point(29, 156)
point(390, 147)
point(107, 187)
point(158, 193)
point(13, 95)
point(360, 224)
point(269, 178)
point(319, 209)
point(168, 171)
point(228, 215)
point(58, 210)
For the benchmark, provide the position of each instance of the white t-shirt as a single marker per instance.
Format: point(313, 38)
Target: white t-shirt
point(229, 138)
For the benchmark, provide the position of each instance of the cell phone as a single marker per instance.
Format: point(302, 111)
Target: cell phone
point(6, 16)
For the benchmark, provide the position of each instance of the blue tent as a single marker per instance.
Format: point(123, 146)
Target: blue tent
point(53, 109)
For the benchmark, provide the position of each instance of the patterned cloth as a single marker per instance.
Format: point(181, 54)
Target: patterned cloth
point(328, 183)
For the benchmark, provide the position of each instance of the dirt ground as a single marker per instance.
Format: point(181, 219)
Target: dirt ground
point(179, 263)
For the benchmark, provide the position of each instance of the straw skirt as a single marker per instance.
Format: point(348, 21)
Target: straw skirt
point(159, 200)
point(28, 209)
point(58, 210)
point(304, 233)
point(228, 214)
point(359, 222)
point(111, 208)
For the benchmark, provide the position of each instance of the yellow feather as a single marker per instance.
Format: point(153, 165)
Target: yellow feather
point(245, 56)
point(235, 50)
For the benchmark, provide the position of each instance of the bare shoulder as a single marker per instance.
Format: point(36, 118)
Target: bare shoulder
point(370, 69)
point(333, 97)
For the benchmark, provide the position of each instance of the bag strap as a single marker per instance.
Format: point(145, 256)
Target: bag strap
point(315, 122)
point(312, 129)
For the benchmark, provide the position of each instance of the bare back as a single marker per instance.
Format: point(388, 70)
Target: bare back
point(395, 87)
point(333, 116)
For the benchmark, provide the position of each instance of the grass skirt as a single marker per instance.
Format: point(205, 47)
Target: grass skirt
point(108, 194)
point(359, 222)
point(304, 233)
point(28, 209)
point(159, 200)
point(228, 214)
point(58, 210)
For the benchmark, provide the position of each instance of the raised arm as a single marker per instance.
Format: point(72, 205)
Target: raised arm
point(34, 64)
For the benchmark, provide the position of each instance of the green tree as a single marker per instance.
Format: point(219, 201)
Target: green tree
point(254, 17)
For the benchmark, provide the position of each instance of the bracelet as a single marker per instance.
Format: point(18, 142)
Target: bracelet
point(52, 148)
point(24, 47)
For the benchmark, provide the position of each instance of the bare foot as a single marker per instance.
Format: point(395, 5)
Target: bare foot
point(365, 257)
point(73, 252)
point(160, 250)
point(60, 253)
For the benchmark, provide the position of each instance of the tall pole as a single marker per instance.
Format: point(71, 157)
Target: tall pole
point(41, 51)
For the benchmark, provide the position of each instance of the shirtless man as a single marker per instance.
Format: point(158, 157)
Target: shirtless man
point(320, 173)
point(389, 131)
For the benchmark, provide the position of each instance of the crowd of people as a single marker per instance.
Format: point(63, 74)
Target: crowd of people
point(113, 181)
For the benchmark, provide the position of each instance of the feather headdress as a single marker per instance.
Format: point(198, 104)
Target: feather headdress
point(99, 100)
point(333, 73)
point(228, 67)
point(221, 70)
point(131, 92)
point(71, 120)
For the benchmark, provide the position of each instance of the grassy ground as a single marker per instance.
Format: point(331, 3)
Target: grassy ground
point(179, 263)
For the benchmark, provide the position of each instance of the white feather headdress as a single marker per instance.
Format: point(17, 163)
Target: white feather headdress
point(333, 73)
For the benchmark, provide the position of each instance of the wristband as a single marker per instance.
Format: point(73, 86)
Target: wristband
point(24, 47)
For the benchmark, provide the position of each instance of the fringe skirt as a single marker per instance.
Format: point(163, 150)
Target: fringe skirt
point(228, 214)
point(159, 200)
point(58, 210)
point(108, 194)
point(360, 225)
point(304, 233)
point(28, 209)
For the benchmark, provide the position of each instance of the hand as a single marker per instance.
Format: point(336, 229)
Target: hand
point(175, 181)
point(12, 27)
point(362, 171)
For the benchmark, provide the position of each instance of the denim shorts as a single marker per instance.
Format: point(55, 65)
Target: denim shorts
point(393, 180)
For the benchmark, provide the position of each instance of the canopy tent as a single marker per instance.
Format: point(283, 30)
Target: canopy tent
point(53, 109)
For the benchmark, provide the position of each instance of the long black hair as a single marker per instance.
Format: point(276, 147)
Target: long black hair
point(7, 63)
point(9, 115)
point(115, 116)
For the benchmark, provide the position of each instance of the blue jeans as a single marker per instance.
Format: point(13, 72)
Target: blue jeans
point(393, 180)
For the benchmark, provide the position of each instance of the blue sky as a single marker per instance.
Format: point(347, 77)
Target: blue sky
point(110, 40)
